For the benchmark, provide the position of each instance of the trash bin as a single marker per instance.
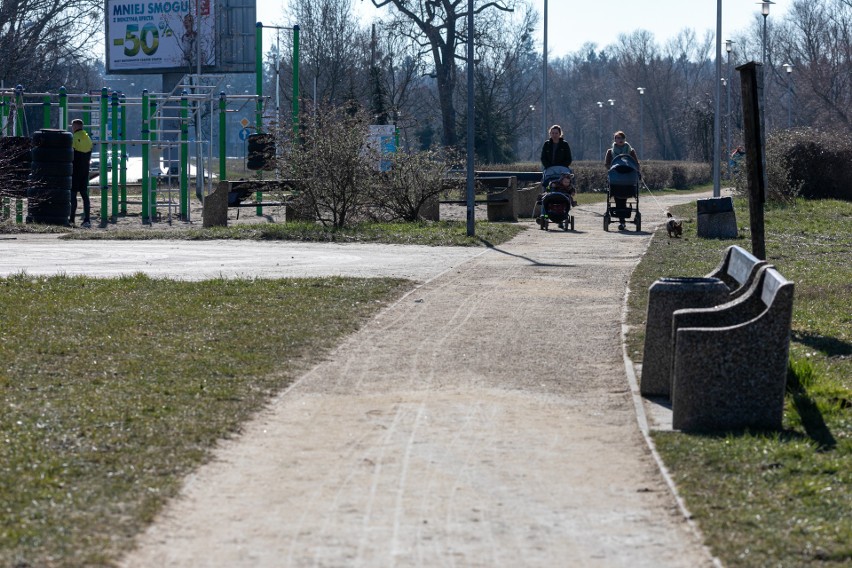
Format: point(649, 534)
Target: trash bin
point(716, 218)
point(664, 297)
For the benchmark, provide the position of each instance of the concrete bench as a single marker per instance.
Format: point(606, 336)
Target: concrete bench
point(738, 270)
point(501, 199)
point(730, 361)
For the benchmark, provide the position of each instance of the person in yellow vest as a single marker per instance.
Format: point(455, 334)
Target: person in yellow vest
point(82, 145)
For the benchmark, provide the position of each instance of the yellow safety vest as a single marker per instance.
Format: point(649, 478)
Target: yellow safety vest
point(82, 142)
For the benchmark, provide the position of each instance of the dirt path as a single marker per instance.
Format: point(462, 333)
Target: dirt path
point(483, 420)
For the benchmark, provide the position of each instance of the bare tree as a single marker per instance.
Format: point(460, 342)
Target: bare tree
point(332, 51)
point(439, 27)
point(817, 39)
point(54, 33)
point(506, 81)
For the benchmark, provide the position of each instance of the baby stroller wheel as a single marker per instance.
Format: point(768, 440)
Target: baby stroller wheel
point(606, 222)
point(544, 223)
point(638, 222)
point(572, 222)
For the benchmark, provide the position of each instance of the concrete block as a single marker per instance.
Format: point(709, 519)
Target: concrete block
point(215, 210)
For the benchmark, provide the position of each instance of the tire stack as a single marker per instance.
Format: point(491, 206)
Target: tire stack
point(49, 192)
point(15, 165)
point(261, 151)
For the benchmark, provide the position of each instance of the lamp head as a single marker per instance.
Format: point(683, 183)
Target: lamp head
point(600, 104)
point(729, 45)
point(641, 90)
point(764, 7)
point(788, 67)
point(611, 102)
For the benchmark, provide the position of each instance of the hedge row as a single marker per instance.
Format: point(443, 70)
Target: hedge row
point(590, 176)
point(806, 162)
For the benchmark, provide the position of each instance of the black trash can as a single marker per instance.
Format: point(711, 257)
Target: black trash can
point(49, 191)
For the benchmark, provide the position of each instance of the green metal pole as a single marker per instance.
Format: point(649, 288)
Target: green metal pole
point(122, 100)
point(152, 130)
point(19, 106)
point(87, 114)
point(296, 83)
point(115, 156)
point(259, 100)
point(223, 125)
point(104, 153)
point(146, 213)
point(19, 131)
point(63, 108)
point(184, 156)
point(4, 109)
point(4, 113)
point(45, 116)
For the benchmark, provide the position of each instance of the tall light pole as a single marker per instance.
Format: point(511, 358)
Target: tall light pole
point(600, 129)
point(789, 68)
point(764, 10)
point(611, 107)
point(534, 137)
point(717, 107)
point(544, 124)
point(641, 122)
point(729, 47)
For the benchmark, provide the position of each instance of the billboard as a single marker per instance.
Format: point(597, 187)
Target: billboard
point(153, 36)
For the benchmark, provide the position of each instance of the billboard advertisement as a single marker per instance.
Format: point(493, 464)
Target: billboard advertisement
point(147, 36)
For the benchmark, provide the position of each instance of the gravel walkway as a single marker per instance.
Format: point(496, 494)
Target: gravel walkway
point(485, 419)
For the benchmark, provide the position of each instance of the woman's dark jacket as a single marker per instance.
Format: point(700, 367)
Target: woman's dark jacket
point(562, 156)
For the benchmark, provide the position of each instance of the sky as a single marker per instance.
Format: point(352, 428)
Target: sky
point(571, 23)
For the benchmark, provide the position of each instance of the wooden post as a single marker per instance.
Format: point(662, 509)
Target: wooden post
point(751, 80)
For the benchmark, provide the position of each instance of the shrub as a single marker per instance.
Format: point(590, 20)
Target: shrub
point(413, 182)
point(810, 163)
point(333, 162)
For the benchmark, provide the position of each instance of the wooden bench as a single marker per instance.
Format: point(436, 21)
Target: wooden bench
point(737, 270)
point(730, 361)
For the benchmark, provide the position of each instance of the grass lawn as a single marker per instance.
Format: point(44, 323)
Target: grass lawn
point(113, 390)
point(784, 498)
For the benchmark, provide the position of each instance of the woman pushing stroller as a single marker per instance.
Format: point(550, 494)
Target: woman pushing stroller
point(557, 182)
point(556, 161)
point(620, 147)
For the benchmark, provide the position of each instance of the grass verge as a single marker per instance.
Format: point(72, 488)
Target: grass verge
point(784, 498)
point(114, 389)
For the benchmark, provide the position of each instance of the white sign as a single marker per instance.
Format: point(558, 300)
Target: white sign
point(159, 34)
point(382, 141)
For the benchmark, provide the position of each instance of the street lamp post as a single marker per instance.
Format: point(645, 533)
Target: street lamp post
point(600, 128)
point(641, 122)
point(544, 124)
point(764, 10)
point(789, 68)
point(611, 108)
point(729, 47)
point(532, 144)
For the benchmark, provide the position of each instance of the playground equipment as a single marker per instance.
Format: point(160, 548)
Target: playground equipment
point(166, 120)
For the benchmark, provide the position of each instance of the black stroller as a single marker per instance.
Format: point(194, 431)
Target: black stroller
point(554, 204)
point(622, 197)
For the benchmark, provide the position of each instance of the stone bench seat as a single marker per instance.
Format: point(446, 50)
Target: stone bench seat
point(730, 361)
point(738, 270)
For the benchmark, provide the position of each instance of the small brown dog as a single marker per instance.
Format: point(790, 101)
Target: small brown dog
point(675, 228)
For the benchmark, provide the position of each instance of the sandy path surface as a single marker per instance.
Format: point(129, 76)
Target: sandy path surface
point(485, 419)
